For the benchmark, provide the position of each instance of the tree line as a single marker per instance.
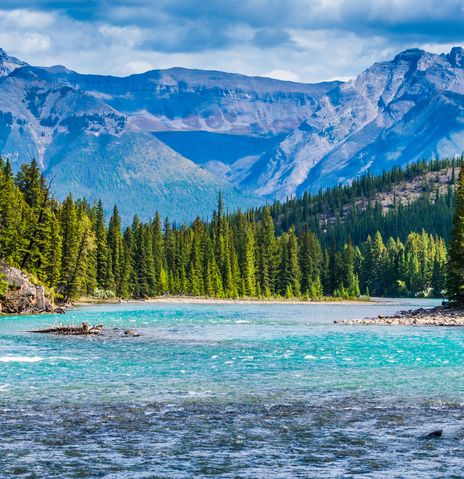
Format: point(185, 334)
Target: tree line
point(71, 248)
point(354, 212)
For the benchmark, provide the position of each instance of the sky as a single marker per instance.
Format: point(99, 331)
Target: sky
point(298, 40)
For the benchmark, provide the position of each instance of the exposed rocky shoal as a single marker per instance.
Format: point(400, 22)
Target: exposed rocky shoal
point(438, 316)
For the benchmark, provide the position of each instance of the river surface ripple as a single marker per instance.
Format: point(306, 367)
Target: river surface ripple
point(231, 391)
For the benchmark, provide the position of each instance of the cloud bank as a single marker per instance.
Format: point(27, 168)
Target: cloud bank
point(302, 40)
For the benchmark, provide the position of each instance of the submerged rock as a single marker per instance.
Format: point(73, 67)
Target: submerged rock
point(131, 332)
point(23, 296)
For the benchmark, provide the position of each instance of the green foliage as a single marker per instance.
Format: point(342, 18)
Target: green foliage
point(104, 294)
point(456, 251)
point(3, 287)
point(352, 212)
point(278, 251)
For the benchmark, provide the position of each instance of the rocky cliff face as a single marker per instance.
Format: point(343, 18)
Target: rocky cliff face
point(391, 114)
point(170, 138)
point(23, 296)
point(180, 99)
point(97, 152)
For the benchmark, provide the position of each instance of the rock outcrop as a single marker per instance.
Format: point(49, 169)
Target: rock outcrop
point(23, 296)
point(393, 113)
point(438, 316)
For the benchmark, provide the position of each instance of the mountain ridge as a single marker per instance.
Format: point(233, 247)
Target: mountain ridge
point(192, 133)
point(94, 151)
point(380, 119)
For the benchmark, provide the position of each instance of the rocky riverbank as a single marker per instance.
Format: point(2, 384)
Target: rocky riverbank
point(23, 295)
point(438, 316)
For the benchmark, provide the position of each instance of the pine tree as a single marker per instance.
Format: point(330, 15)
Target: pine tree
point(145, 285)
point(350, 278)
point(78, 242)
point(115, 245)
point(35, 191)
point(310, 263)
point(51, 270)
point(249, 278)
point(70, 245)
point(12, 217)
point(268, 257)
point(456, 248)
point(127, 286)
point(158, 254)
point(290, 268)
point(105, 278)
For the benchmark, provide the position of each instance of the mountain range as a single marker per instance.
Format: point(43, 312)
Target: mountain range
point(170, 140)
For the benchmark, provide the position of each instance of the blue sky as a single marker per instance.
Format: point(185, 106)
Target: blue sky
point(301, 40)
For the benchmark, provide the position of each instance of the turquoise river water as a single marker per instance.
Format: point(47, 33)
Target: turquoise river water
point(231, 391)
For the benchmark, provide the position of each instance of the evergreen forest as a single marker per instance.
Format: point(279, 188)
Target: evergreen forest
point(337, 243)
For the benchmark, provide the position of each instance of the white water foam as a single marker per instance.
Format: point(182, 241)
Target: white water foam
point(21, 359)
point(32, 359)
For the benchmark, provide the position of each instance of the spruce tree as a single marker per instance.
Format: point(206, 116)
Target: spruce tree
point(456, 249)
point(290, 268)
point(13, 222)
point(268, 259)
point(105, 278)
point(115, 245)
point(158, 253)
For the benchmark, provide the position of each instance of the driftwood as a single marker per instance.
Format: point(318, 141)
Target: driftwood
point(72, 329)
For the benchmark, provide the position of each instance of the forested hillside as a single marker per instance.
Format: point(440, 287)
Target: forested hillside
point(420, 196)
point(332, 249)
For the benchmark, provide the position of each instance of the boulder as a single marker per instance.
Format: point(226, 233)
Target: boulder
point(23, 295)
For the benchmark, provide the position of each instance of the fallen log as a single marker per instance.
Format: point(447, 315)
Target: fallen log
point(72, 329)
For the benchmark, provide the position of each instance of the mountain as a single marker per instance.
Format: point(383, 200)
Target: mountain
point(221, 121)
point(9, 63)
point(94, 151)
point(96, 136)
point(165, 139)
point(179, 99)
point(393, 113)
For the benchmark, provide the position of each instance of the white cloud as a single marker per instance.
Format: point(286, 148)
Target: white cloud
point(28, 43)
point(26, 19)
point(128, 36)
point(280, 74)
point(136, 66)
point(308, 40)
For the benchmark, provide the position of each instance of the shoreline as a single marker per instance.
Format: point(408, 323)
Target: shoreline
point(439, 316)
point(206, 301)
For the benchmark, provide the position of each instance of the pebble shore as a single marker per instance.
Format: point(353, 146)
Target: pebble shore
point(438, 316)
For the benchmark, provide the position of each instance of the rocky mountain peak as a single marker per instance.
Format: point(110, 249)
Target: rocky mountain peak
point(408, 55)
point(393, 113)
point(9, 63)
point(456, 57)
point(175, 134)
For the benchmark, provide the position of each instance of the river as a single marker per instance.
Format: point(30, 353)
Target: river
point(231, 391)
